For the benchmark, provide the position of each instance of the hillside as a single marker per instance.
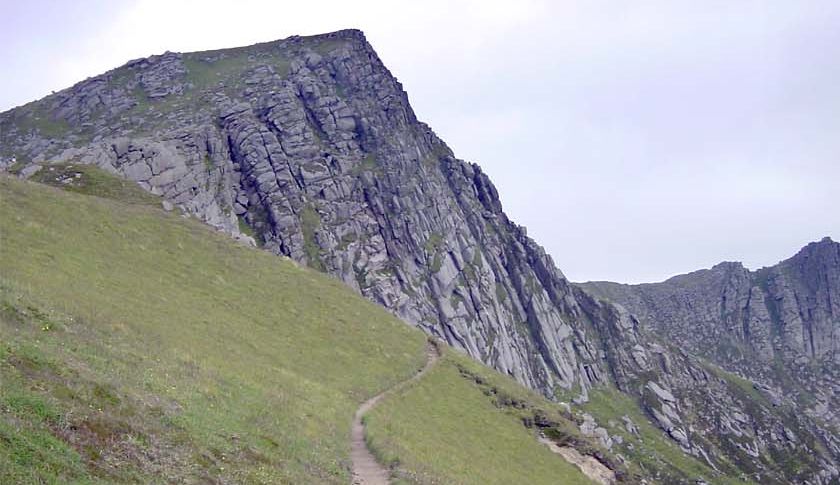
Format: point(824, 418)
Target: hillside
point(141, 347)
point(308, 148)
point(150, 347)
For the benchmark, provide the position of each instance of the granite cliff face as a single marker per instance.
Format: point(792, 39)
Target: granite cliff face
point(309, 148)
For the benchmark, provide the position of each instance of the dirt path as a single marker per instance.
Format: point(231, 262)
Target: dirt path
point(366, 470)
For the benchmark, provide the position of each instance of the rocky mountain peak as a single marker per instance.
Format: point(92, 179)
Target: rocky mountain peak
point(825, 249)
point(308, 147)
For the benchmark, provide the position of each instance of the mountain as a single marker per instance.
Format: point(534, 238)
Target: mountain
point(308, 147)
point(778, 326)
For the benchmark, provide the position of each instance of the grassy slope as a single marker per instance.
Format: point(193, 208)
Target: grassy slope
point(139, 346)
point(453, 408)
point(136, 346)
point(430, 430)
point(90, 180)
point(162, 351)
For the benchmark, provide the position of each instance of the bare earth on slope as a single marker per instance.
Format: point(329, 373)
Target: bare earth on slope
point(590, 466)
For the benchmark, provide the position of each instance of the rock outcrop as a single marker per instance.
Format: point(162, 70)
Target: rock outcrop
point(309, 148)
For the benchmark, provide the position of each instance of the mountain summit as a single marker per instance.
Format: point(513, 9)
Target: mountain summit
point(308, 147)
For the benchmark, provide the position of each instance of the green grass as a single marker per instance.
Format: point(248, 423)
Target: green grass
point(131, 333)
point(17, 167)
point(310, 221)
point(326, 46)
point(91, 180)
point(434, 250)
point(206, 74)
point(431, 430)
point(795, 464)
point(31, 454)
point(244, 228)
point(29, 450)
point(368, 164)
point(206, 69)
point(739, 386)
point(137, 346)
point(36, 118)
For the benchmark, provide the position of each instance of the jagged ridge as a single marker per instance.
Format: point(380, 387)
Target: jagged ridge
point(778, 325)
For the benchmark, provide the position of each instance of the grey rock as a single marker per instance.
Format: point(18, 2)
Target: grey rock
point(138, 171)
point(679, 436)
point(630, 426)
point(661, 393)
point(663, 420)
point(587, 427)
point(400, 219)
point(30, 170)
point(603, 437)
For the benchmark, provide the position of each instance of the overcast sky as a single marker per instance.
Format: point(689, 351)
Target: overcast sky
point(635, 139)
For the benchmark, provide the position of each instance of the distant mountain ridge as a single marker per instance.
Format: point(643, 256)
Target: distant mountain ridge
point(309, 147)
point(779, 325)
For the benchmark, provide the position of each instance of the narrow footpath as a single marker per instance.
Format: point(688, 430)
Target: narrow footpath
point(366, 470)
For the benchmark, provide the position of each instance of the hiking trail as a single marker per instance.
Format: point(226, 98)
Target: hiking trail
point(366, 470)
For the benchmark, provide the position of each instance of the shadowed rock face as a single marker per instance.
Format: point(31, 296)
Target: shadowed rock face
point(308, 147)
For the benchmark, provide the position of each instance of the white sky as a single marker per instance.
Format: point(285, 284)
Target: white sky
point(635, 140)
